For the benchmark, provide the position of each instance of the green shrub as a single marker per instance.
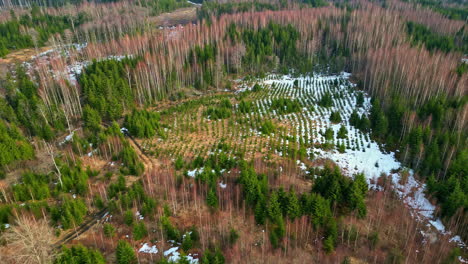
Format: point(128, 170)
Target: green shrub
point(139, 231)
point(335, 117)
point(79, 254)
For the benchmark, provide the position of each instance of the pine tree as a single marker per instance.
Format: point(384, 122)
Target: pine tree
point(335, 117)
point(128, 218)
point(357, 195)
point(378, 120)
point(320, 210)
point(293, 209)
point(109, 230)
point(354, 119)
point(326, 100)
point(139, 231)
point(187, 242)
point(343, 132)
point(277, 231)
point(125, 253)
point(170, 231)
point(364, 123)
point(212, 199)
point(260, 212)
point(274, 207)
point(213, 257)
point(360, 181)
point(329, 134)
point(91, 119)
point(360, 99)
point(329, 245)
point(455, 200)
point(79, 254)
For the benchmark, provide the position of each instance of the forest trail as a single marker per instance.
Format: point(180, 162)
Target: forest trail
point(81, 229)
point(147, 161)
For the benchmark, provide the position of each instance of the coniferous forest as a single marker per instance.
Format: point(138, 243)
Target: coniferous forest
point(208, 131)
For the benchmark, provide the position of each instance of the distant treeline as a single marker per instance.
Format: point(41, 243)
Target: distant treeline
point(49, 3)
point(458, 11)
point(34, 29)
point(214, 8)
point(421, 34)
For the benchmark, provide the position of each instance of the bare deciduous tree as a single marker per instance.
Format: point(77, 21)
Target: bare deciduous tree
point(29, 242)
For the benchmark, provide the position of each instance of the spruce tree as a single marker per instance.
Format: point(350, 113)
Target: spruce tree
point(360, 99)
point(79, 254)
point(128, 218)
point(109, 230)
point(260, 212)
point(294, 209)
point(125, 254)
point(343, 132)
point(274, 207)
point(139, 231)
point(455, 200)
point(212, 199)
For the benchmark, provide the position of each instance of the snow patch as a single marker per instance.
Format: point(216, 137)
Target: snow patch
point(195, 172)
point(147, 249)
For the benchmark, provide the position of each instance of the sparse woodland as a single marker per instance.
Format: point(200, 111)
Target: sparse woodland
point(259, 132)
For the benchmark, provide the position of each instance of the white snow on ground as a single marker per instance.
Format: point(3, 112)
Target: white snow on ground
point(195, 172)
point(73, 70)
point(458, 241)
point(68, 138)
point(195, 4)
point(140, 217)
point(147, 249)
point(91, 153)
point(170, 251)
point(174, 256)
point(301, 165)
point(356, 161)
point(64, 48)
point(361, 154)
point(223, 185)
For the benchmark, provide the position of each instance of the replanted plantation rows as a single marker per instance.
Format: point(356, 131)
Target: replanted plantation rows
point(280, 116)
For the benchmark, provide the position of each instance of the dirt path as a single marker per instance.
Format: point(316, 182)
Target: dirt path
point(178, 17)
point(85, 226)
